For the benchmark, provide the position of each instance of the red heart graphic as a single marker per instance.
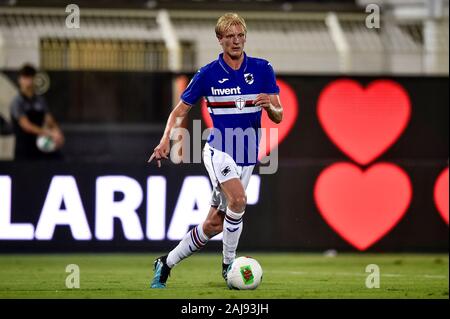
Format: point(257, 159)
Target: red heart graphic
point(362, 206)
point(364, 122)
point(441, 194)
point(290, 112)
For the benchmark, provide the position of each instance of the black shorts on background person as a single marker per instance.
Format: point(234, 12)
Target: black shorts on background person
point(30, 118)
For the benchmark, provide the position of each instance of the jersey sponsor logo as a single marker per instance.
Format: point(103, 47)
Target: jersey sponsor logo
point(249, 78)
point(227, 91)
point(223, 80)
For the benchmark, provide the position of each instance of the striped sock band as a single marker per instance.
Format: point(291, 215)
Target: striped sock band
point(233, 221)
point(199, 239)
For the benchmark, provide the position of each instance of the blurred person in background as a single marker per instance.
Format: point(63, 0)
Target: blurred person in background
point(31, 118)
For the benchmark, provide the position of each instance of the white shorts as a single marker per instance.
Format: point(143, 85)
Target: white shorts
point(221, 167)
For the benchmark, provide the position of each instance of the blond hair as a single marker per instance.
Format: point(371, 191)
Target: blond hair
point(228, 20)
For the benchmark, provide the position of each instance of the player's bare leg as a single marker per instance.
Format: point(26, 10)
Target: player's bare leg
point(232, 227)
point(192, 242)
point(213, 223)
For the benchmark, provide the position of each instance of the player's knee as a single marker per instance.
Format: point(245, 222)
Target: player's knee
point(238, 203)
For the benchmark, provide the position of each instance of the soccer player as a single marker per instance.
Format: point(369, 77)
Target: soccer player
point(237, 89)
point(30, 118)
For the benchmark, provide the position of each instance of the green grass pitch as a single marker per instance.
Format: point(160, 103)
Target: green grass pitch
point(286, 275)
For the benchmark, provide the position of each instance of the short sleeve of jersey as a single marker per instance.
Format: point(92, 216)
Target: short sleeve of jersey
point(16, 108)
point(194, 90)
point(270, 81)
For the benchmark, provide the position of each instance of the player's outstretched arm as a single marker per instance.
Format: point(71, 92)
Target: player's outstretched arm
point(272, 104)
point(163, 148)
point(31, 128)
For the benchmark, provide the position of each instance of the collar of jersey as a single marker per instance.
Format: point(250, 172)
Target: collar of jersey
point(228, 69)
point(27, 98)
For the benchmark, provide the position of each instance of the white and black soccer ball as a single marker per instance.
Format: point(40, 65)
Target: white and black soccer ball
point(245, 273)
point(45, 144)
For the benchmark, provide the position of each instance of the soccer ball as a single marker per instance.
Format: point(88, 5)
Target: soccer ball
point(45, 144)
point(244, 273)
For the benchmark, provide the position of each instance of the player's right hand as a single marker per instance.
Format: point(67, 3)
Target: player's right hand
point(161, 151)
point(58, 137)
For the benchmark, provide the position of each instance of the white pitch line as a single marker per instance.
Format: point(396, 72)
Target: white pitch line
point(355, 274)
point(435, 276)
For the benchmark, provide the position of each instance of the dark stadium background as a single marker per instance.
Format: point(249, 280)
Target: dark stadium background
point(113, 120)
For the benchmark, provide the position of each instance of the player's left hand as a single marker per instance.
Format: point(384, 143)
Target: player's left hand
point(263, 100)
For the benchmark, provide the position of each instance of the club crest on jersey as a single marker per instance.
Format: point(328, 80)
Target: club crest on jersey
point(240, 103)
point(249, 78)
point(225, 171)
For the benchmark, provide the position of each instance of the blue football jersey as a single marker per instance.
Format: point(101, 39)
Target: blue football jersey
point(230, 96)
